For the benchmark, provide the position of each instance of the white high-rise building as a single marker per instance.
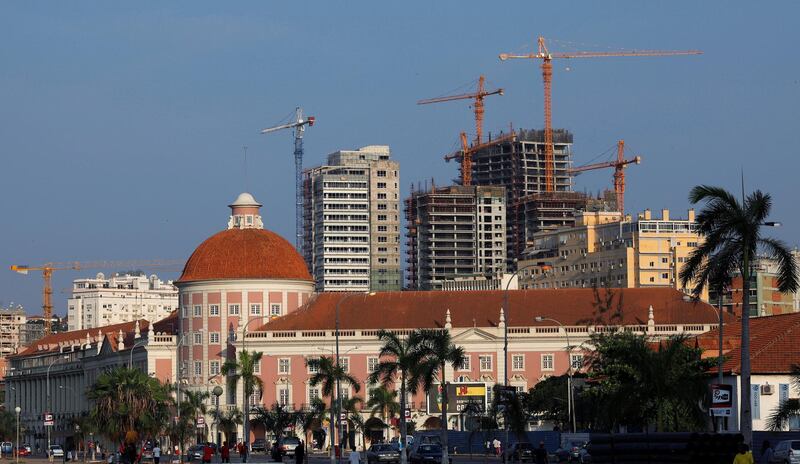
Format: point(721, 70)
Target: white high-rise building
point(352, 221)
point(124, 297)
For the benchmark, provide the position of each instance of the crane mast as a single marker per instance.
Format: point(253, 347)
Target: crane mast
point(619, 172)
point(547, 76)
point(299, 125)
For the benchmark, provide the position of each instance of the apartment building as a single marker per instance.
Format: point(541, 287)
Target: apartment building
point(455, 233)
point(11, 319)
point(123, 297)
point(351, 221)
point(605, 249)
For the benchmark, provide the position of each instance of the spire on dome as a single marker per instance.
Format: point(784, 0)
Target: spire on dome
point(245, 213)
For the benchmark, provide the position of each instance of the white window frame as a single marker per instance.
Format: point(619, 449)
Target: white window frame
point(255, 309)
point(518, 362)
point(257, 368)
point(309, 369)
point(287, 362)
point(184, 310)
point(576, 360)
point(344, 361)
point(311, 398)
point(198, 366)
point(213, 338)
point(198, 311)
point(488, 358)
point(213, 368)
point(545, 357)
point(233, 309)
point(372, 364)
point(197, 338)
point(467, 363)
point(213, 310)
point(283, 387)
point(275, 309)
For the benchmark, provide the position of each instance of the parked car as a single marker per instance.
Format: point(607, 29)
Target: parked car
point(582, 454)
point(57, 451)
point(520, 452)
point(6, 448)
point(288, 444)
point(425, 453)
point(563, 455)
point(259, 444)
point(383, 453)
point(195, 452)
point(25, 450)
point(786, 451)
point(147, 452)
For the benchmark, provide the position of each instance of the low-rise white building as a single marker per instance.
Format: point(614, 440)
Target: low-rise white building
point(123, 297)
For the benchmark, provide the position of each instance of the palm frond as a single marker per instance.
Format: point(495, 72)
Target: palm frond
point(787, 266)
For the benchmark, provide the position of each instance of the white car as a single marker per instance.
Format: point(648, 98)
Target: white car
point(57, 451)
point(786, 452)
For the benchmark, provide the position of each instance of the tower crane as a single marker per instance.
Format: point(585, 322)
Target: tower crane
point(619, 172)
point(477, 105)
point(547, 75)
point(464, 156)
point(47, 274)
point(299, 125)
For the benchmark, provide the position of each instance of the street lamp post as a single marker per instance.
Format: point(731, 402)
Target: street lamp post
point(49, 405)
point(338, 383)
point(17, 410)
point(217, 391)
point(139, 343)
point(570, 400)
point(246, 412)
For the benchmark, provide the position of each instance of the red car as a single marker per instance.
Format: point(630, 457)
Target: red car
point(24, 450)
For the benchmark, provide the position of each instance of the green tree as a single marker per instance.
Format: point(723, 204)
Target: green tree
point(438, 351)
point(127, 403)
point(383, 402)
point(352, 409)
point(632, 384)
point(244, 370)
point(328, 374)
point(8, 425)
point(275, 419)
point(732, 233)
point(313, 417)
point(399, 357)
point(193, 405)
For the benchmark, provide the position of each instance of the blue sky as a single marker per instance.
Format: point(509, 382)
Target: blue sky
point(121, 124)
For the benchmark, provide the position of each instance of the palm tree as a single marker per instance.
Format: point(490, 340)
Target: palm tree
point(384, 402)
point(228, 421)
point(352, 409)
point(732, 232)
point(313, 417)
point(399, 358)
point(275, 419)
point(788, 408)
point(127, 402)
point(244, 370)
point(438, 351)
point(329, 374)
point(193, 404)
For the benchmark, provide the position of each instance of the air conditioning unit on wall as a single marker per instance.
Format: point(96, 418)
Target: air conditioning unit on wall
point(767, 389)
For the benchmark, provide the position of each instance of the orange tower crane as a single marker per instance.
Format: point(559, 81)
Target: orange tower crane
point(619, 172)
point(547, 75)
point(478, 96)
point(47, 274)
point(465, 154)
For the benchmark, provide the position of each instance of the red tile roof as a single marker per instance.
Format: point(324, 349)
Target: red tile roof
point(774, 344)
point(53, 342)
point(245, 254)
point(398, 310)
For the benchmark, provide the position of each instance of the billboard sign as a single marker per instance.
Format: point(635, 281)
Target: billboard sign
point(721, 400)
point(459, 397)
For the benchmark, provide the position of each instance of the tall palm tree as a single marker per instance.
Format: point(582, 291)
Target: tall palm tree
point(384, 402)
point(244, 370)
point(732, 232)
point(128, 402)
point(328, 374)
point(276, 419)
point(312, 417)
point(399, 358)
point(438, 351)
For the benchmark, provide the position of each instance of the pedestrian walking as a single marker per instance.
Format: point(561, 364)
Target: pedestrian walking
point(744, 456)
point(540, 454)
point(225, 452)
point(355, 457)
point(497, 445)
point(156, 454)
point(208, 451)
point(299, 453)
point(766, 452)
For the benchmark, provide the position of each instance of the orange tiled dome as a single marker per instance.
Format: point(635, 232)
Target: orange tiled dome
point(245, 254)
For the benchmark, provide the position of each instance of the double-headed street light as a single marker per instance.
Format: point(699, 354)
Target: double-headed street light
point(570, 399)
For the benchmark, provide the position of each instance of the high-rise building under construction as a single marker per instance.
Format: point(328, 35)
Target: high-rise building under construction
point(455, 232)
point(518, 164)
point(351, 222)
